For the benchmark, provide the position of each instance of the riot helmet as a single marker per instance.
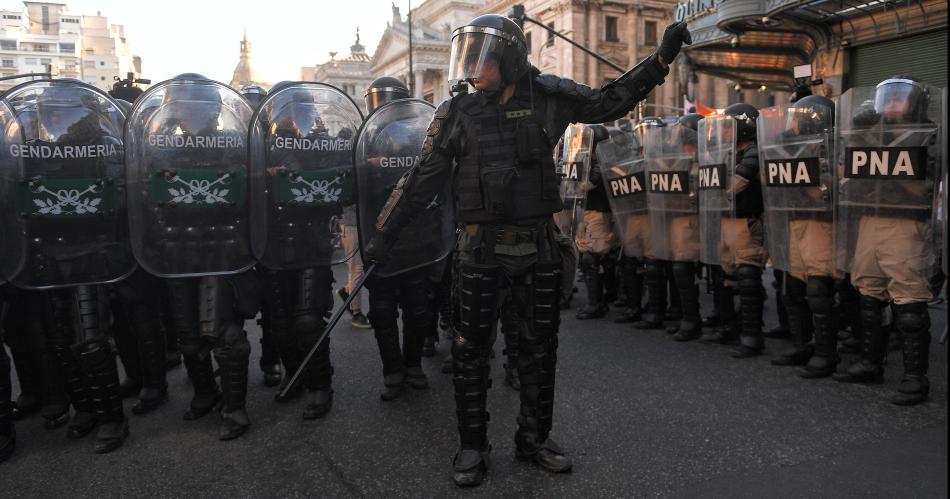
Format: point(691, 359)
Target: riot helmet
point(690, 121)
point(382, 90)
point(195, 106)
point(489, 47)
point(901, 99)
point(645, 124)
point(298, 114)
point(601, 133)
point(66, 114)
point(745, 116)
point(254, 95)
point(811, 115)
point(685, 130)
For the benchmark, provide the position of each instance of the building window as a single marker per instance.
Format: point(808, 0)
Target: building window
point(44, 61)
point(7, 44)
point(649, 33)
point(69, 48)
point(528, 38)
point(40, 47)
point(30, 61)
point(11, 16)
point(103, 78)
point(89, 64)
point(102, 63)
point(8, 63)
point(72, 21)
point(610, 29)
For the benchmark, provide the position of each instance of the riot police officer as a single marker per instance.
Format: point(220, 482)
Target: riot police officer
point(797, 182)
point(653, 275)
point(506, 190)
point(596, 240)
point(890, 163)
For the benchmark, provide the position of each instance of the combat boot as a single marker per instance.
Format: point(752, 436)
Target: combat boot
point(684, 275)
point(913, 323)
point(750, 311)
point(656, 297)
point(798, 316)
point(870, 368)
point(319, 403)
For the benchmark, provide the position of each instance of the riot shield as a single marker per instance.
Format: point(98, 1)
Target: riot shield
point(62, 187)
point(795, 147)
point(622, 169)
point(717, 160)
point(672, 175)
point(387, 147)
point(575, 169)
point(187, 174)
point(888, 173)
point(301, 148)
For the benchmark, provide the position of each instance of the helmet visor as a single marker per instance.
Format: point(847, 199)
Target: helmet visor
point(807, 120)
point(477, 54)
point(58, 121)
point(895, 99)
point(377, 97)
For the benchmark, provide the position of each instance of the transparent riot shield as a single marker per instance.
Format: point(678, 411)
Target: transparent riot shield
point(889, 167)
point(672, 175)
point(62, 187)
point(623, 171)
point(187, 175)
point(717, 160)
point(301, 150)
point(387, 147)
point(795, 152)
point(575, 167)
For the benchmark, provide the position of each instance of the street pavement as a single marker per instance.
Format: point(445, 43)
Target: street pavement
point(641, 416)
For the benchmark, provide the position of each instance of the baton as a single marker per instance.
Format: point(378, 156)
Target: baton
point(326, 331)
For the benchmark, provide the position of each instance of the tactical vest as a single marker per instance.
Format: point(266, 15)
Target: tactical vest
point(749, 201)
point(506, 170)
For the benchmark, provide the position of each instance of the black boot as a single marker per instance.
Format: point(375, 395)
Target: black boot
point(233, 360)
point(913, 322)
point(750, 311)
point(870, 368)
point(596, 307)
point(632, 283)
point(684, 274)
point(7, 432)
point(144, 322)
point(319, 403)
point(98, 362)
point(395, 385)
point(821, 302)
point(727, 329)
point(798, 316)
point(656, 297)
point(675, 310)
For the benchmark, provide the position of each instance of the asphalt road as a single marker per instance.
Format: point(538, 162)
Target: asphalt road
point(640, 415)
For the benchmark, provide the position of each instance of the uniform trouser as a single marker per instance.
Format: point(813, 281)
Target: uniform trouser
point(136, 311)
point(297, 302)
point(632, 281)
point(892, 259)
point(6, 393)
point(79, 340)
point(684, 277)
point(742, 256)
point(809, 285)
point(568, 254)
point(195, 349)
point(25, 330)
point(354, 266)
point(487, 278)
point(408, 292)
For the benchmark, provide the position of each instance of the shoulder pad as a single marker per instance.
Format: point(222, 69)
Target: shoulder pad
point(554, 84)
point(435, 126)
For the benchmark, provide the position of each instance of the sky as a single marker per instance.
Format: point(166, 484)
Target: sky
point(202, 36)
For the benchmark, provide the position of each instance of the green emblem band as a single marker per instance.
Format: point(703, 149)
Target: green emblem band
point(198, 188)
point(312, 188)
point(63, 198)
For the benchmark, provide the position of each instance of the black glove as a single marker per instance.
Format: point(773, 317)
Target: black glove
point(674, 36)
point(865, 115)
point(379, 249)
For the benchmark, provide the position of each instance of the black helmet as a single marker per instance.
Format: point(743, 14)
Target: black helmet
point(190, 76)
point(254, 95)
point(646, 123)
point(745, 116)
point(690, 121)
point(66, 112)
point(382, 90)
point(811, 115)
point(902, 99)
point(488, 39)
point(600, 133)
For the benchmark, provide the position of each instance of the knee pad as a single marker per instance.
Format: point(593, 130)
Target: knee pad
point(795, 291)
point(478, 296)
point(820, 292)
point(234, 340)
point(590, 262)
point(684, 273)
point(749, 278)
point(912, 317)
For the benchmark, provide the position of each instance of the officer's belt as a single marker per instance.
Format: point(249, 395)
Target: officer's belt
point(507, 235)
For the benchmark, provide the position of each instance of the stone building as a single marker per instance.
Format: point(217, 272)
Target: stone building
point(351, 74)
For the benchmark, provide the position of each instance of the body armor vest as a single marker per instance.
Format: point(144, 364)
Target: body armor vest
point(506, 171)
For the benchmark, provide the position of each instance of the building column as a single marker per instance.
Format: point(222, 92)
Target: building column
point(419, 84)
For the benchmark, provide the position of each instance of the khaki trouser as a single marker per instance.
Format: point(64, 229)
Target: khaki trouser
point(741, 242)
point(891, 260)
point(636, 235)
point(354, 266)
point(595, 234)
point(810, 249)
point(684, 238)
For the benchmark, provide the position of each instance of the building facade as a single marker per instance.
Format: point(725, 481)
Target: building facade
point(46, 35)
point(243, 74)
point(432, 25)
point(351, 74)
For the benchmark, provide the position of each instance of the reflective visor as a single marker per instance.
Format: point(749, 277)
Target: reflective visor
point(894, 97)
point(376, 97)
point(57, 120)
point(476, 53)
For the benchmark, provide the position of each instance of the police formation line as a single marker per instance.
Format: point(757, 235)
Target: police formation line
point(164, 225)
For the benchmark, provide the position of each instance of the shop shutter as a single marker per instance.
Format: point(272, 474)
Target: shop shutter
point(922, 56)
